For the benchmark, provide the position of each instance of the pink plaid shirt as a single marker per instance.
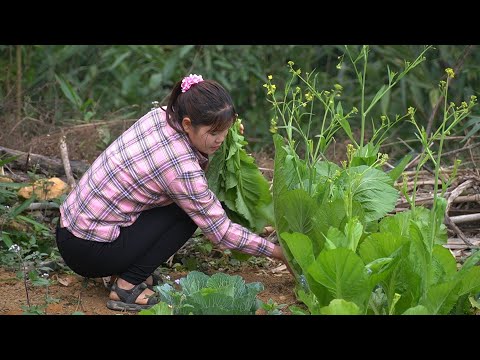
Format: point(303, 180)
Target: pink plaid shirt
point(151, 165)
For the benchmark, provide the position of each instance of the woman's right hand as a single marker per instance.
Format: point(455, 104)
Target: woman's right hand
point(279, 255)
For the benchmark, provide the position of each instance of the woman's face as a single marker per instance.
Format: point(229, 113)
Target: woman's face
point(204, 140)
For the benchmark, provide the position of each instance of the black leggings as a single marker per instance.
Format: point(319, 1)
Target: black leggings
point(141, 248)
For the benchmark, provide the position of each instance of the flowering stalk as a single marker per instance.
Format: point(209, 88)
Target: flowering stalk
point(17, 250)
point(393, 79)
point(452, 115)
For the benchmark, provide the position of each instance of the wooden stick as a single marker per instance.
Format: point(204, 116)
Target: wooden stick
point(460, 219)
point(66, 162)
point(470, 147)
point(474, 240)
point(467, 198)
point(429, 200)
point(457, 192)
point(456, 229)
point(43, 206)
point(460, 246)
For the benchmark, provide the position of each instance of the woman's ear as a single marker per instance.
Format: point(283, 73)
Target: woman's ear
point(186, 124)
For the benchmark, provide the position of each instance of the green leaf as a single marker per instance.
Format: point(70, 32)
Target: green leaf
point(335, 239)
point(340, 307)
point(7, 160)
point(343, 273)
point(470, 282)
point(441, 297)
point(353, 232)
point(377, 97)
point(37, 225)
point(69, 93)
point(365, 155)
point(295, 211)
point(380, 245)
point(301, 248)
point(396, 172)
point(6, 239)
point(471, 261)
point(160, 308)
point(443, 264)
point(194, 281)
point(236, 180)
point(371, 188)
point(118, 60)
point(417, 310)
point(18, 209)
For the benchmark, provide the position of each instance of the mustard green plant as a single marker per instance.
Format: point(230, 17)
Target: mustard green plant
point(303, 103)
point(452, 116)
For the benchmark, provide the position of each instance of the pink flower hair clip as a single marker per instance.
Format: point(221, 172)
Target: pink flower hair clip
point(189, 80)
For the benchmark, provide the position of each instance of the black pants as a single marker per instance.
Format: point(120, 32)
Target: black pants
point(140, 248)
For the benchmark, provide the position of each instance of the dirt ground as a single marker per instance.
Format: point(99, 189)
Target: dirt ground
point(69, 293)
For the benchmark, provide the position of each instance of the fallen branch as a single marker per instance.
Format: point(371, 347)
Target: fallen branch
point(51, 165)
point(43, 206)
point(457, 192)
point(429, 200)
point(460, 219)
point(411, 184)
point(469, 147)
point(456, 230)
point(455, 243)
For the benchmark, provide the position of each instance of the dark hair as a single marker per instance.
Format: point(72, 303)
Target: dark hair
point(205, 103)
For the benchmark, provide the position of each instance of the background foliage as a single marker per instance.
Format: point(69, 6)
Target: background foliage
point(62, 85)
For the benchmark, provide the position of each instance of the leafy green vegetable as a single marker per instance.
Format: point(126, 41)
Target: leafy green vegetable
point(239, 184)
point(219, 294)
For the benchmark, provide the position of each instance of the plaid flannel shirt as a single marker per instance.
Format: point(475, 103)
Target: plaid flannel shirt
point(151, 165)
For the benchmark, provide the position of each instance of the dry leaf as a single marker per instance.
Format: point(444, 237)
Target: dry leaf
point(66, 281)
point(280, 268)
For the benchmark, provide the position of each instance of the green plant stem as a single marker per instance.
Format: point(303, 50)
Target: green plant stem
point(364, 76)
point(25, 283)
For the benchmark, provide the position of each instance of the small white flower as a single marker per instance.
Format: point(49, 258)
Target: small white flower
point(177, 281)
point(14, 248)
point(167, 277)
point(45, 275)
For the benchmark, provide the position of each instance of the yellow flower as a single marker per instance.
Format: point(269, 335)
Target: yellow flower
point(270, 77)
point(450, 72)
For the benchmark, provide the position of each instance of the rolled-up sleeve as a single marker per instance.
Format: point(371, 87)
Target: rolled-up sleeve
point(191, 192)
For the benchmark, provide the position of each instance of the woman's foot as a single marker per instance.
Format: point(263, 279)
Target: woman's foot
point(142, 298)
point(149, 281)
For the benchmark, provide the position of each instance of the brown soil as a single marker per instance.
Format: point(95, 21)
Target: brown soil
point(70, 293)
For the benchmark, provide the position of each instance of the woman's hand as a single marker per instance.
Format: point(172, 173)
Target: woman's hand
point(279, 255)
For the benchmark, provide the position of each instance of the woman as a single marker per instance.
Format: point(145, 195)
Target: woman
point(146, 194)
